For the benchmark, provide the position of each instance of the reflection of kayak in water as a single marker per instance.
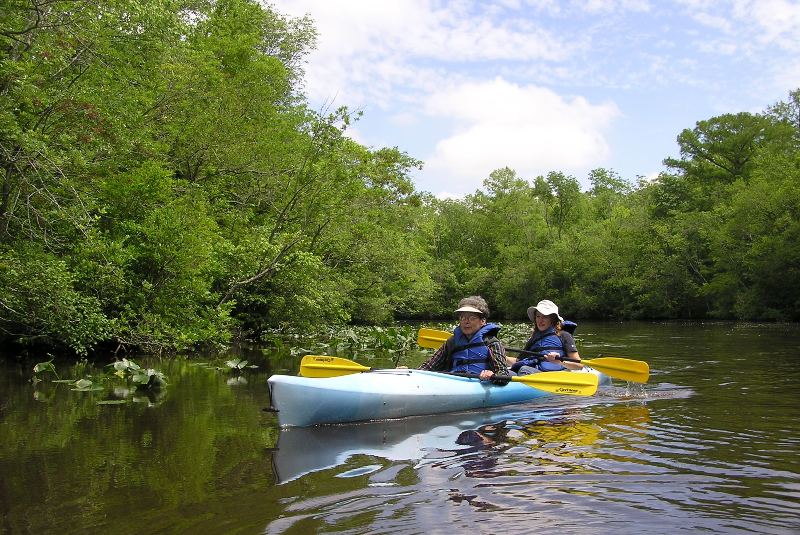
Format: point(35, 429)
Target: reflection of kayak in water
point(570, 428)
point(385, 394)
point(301, 450)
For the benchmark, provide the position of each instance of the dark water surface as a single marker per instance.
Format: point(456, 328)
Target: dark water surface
point(710, 445)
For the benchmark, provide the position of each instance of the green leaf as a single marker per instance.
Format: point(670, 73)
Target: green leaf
point(83, 383)
point(141, 378)
point(44, 367)
point(88, 389)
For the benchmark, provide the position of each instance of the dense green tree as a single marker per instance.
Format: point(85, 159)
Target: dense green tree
point(681, 246)
point(757, 251)
point(560, 195)
point(74, 79)
point(164, 184)
point(716, 153)
point(607, 191)
point(161, 158)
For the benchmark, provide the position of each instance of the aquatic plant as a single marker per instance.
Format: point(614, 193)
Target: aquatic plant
point(237, 365)
point(143, 379)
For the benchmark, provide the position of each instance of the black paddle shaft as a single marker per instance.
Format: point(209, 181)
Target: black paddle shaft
point(539, 354)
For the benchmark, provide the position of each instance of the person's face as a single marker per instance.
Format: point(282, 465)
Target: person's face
point(470, 323)
point(543, 322)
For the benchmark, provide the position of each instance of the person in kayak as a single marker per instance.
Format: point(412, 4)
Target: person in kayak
point(474, 347)
point(549, 340)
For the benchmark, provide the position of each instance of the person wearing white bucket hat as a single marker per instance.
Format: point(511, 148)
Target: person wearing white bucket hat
point(545, 308)
point(474, 347)
point(549, 341)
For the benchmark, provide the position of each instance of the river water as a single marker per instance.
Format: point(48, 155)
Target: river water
point(711, 444)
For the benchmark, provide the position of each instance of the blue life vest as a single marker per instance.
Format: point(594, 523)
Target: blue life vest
point(546, 342)
point(472, 355)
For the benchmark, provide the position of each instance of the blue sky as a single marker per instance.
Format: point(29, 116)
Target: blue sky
point(544, 85)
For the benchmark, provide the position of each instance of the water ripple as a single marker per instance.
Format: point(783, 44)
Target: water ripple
point(595, 468)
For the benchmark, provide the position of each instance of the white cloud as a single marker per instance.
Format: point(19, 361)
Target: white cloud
point(753, 22)
point(473, 86)
point(366, 48)
point(713, 21)
point(528, 128)
point(605, 6)
point(712, 47)
point(779, 21)
point(456, 32)
point(787, 77)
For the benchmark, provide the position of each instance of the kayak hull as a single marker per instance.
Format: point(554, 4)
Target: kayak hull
point(387, 394)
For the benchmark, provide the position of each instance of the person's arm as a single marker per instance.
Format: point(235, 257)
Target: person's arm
point(437, 362)
point(570, 351)
point(497, 361)
point(497, 352)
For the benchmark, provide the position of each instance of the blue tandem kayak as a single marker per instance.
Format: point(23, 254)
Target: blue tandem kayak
point(391, 393)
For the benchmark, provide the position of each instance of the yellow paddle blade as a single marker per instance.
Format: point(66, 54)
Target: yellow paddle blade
point(431, 338)
point(325, 366)
point(572, 383)
point(636, 371)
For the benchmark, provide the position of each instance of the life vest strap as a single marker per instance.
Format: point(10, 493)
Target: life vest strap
point(456, 349)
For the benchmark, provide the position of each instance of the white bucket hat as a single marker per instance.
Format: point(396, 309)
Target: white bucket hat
point(545, 308)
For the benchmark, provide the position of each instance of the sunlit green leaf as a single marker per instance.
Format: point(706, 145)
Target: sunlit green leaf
point(44, 366)
point(141, 378)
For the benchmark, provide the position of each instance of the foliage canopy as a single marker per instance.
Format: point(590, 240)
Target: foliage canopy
point(164, 184)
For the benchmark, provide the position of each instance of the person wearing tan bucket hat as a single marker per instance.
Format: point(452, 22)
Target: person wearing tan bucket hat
point(474, 347)
point(549, 341)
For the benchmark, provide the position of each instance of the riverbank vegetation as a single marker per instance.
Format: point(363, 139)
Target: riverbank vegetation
point(164, 184)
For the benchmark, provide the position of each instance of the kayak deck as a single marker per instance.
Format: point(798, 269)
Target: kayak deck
point(387, 394)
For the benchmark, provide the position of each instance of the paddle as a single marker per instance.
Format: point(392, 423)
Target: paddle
point(431, 338)
point(576, 384)
point(325, 366)
point(636, 371)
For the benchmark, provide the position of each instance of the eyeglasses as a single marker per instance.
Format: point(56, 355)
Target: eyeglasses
point(467, 317)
